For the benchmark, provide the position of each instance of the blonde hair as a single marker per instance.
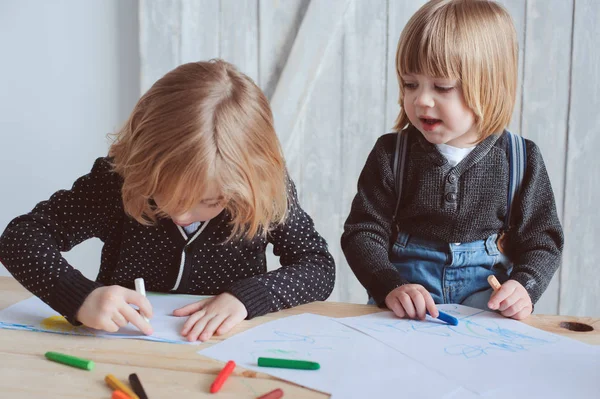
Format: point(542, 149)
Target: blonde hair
point(473, 41)
point(203, 123)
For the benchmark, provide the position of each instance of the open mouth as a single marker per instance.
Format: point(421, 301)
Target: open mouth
point(430, 123)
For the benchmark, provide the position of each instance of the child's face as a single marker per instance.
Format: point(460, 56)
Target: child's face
point(436, 106)
point(210, 206)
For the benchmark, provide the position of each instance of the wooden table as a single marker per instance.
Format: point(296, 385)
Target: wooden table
point(167, 370)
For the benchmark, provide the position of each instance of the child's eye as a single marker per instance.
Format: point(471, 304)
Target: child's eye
point(216, 204)
point(443, 89)
point(410, 86)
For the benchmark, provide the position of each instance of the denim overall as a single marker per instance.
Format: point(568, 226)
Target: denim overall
point(455, 272)
point(452, 273)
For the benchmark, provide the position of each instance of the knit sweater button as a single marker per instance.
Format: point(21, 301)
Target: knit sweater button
point(452, 178)
point(451, 197)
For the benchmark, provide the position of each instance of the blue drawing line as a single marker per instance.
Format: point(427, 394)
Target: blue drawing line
point(491, 335)
point(497, 338)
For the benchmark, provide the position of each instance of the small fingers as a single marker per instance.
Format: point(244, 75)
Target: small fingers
point(228, 324)
point(110, 326)
point(119, 320)
point(419, 304)
point(515, 307)
point(499, 296)
point(430, 303)
point(191, 308)
point(508, 302)
point(407, 304)
point(523, 313)
point(139, 300)
point(191, 321)
point(136, 319)
point(395, 306)
point(210, 328)
point(199, 327)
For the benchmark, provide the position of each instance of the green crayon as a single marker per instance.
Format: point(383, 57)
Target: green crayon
point(287, 363)
point(70, 360)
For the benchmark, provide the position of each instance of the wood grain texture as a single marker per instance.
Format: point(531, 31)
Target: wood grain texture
point(546, 99)
point(321, 128)
point(399, 12)
point(166, 370)
point(238, 35)
point(363, 102)
point(580, 281)
point(279, 22)
point(320, 25)
point(160, 39)
point(200, 30)
point(517, 10)
point(287, 47)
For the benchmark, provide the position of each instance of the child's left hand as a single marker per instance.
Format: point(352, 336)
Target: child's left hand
point(220, 313)
point(512, 300)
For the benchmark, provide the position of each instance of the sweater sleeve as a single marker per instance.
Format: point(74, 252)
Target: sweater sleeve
point(536, 241)
point(307, 271)
point(31, 245)
point(368, 228)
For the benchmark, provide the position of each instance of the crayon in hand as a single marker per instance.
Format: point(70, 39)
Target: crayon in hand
point(141, 288)
point(493, 281)
point(453, 321)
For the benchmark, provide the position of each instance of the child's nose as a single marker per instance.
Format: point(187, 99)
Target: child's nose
point(424, 99)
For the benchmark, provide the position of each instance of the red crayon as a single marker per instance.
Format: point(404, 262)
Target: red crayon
point(274, 394)
point(220, 380)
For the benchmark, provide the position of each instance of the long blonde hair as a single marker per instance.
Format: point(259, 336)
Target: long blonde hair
point(203, 122)
point(473, 41)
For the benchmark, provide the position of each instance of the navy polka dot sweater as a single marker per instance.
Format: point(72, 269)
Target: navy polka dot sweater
point(167, 259)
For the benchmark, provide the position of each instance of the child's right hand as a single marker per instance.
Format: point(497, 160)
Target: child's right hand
point(108, 309)
point(412, 301)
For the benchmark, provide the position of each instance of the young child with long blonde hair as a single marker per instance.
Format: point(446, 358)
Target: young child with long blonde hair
point(192, 191)
point(451, 227)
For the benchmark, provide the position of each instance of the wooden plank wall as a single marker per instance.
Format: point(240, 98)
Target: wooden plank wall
point(327, 67)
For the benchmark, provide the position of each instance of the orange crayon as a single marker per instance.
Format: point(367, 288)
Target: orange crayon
point(493, 281)
point(119, 395)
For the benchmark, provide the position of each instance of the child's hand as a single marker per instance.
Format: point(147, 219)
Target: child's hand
point(107, 308)
point(411, 300)
point(219, 313)
point(512, 300)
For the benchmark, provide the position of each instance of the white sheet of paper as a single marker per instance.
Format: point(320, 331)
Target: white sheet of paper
point(34, 315)
point(353, 365)
point(490, 354)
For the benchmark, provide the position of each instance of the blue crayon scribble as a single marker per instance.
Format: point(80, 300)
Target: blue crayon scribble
point(488, 336)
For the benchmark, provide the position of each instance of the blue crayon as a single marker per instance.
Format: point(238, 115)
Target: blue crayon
point(447, 318)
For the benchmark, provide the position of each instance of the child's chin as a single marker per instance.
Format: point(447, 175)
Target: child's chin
point(434, 138)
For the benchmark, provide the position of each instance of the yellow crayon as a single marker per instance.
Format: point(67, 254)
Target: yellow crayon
point(114, 383)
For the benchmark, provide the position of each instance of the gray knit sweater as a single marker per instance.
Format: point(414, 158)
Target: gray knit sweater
point(464, 203)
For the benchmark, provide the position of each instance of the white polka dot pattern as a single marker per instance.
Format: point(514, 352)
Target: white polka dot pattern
point(31, 244)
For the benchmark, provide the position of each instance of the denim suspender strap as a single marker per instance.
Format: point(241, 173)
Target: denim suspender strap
point(516, 168)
